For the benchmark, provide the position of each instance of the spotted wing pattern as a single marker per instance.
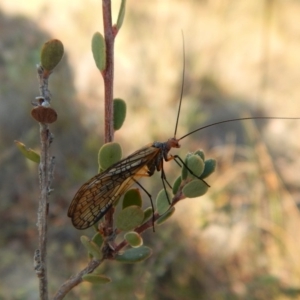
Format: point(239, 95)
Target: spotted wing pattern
point(97, 195)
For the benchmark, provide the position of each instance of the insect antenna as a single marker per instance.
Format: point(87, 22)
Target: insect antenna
point(238, 119)
point(177, 158)
point(182, 85)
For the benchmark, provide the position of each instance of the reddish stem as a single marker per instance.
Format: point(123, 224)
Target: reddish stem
point(108, 74)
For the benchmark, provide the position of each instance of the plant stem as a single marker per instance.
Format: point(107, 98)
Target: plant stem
point(42, 212)
point(108, 77)
point(45, 176)
point(75, 280)
point(108, 74)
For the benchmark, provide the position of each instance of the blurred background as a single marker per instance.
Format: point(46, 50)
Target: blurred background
point(240, 241)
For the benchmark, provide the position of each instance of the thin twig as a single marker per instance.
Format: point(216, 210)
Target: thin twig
point(76, 279)
point(108, 77)
point(108, 74)
point(45, 176)
point(42, 213)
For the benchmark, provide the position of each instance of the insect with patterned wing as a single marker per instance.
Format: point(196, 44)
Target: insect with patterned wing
point(94, 198)
point(97, 196)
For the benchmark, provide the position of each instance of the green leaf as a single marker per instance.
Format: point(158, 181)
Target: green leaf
point(109, 154)
point(51, 54)
point(200, 153)
point(184, 171)
point(119, 113)
point(134, 255)
point(28, 153)
point(132, 197)
point(134, 239)
point(210, 167)
point(98, 239)
point(148, 212)
point(166, 216)
point(195, 165)
point(96, 279)
point(129, 218)
point(99, 51)
point(121, 14)
point(163, 201)
point(92, 247)
point(195, 188)
point(176, 185)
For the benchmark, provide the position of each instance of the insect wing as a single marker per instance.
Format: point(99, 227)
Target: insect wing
point(97, 196)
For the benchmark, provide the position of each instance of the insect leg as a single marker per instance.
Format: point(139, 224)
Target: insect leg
point(150, 197)
point(164, 179)
point(177, 162)
point(175, 157)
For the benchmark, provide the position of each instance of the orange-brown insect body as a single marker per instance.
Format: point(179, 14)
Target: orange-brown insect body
point(98, 195)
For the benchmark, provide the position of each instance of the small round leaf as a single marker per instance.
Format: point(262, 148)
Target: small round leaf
point(99, 50)
point(184, 170)
point(210, 167)
point(109, 154)
point(92, 247)
point(166, 216)
point(51, 54)
point(176, 185)
point(134, 255)
point(134, 239)
point(195, 165)
point(195, 188)
point(148, 212)
point(98, 239)
point(129, 218)
point(163, 201)
point(44, 114)
point(96, 279)
point(119, 113)
point(132, 197)
point(200, 153)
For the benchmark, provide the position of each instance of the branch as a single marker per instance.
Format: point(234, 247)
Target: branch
point(108, 77)
point(108, 73)
point(46, 167)
point(75, 280)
